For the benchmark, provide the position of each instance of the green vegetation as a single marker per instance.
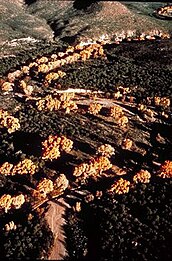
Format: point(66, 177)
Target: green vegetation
point(32, 238)
point(135, 226)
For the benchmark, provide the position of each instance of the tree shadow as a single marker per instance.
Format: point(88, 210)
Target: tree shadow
point(29, 143)
point(29, 2)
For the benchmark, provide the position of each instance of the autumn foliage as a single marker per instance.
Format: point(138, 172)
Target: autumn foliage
point(166, 169)
point(120, 186)
point(54, 145)
point(6, 120)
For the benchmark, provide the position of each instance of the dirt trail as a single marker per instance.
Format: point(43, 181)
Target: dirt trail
point(55, 220)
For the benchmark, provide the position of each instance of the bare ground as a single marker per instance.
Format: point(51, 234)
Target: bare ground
point(54, 217)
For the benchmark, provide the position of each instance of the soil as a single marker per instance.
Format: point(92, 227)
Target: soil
point(56, 221)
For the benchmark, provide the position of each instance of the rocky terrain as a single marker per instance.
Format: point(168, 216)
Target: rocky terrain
point(86, 121)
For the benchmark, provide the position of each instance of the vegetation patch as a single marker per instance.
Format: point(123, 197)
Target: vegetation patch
point(91, 124)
